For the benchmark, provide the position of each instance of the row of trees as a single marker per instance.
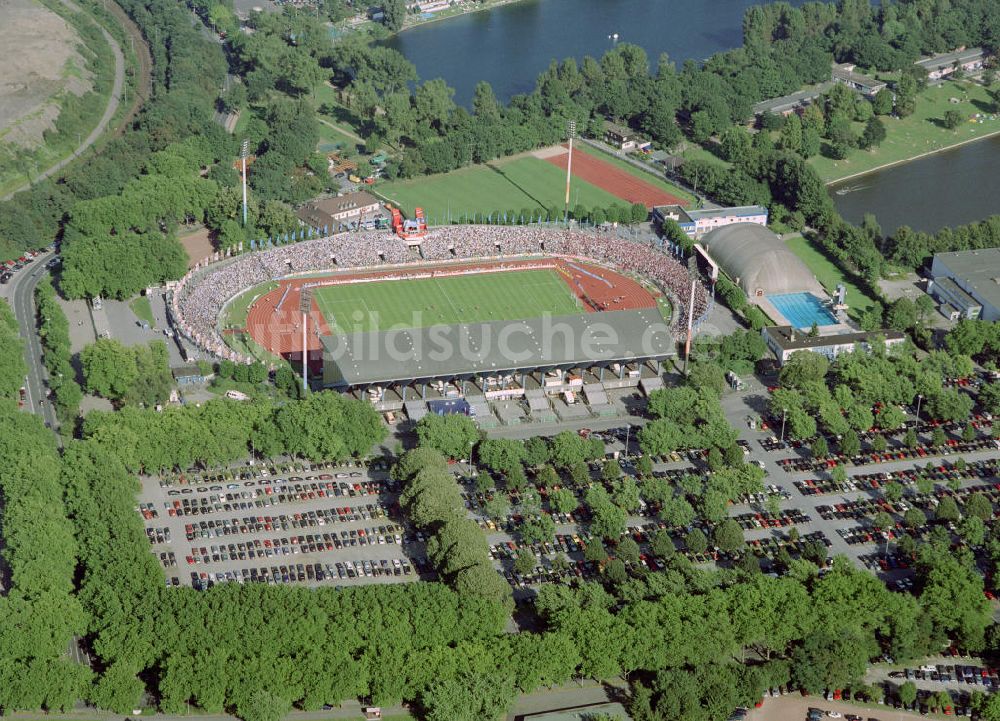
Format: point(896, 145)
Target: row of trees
point(12, 368)
point(322, 426)
point(839, 399)
point(456, 546)
point(39, 611)
point(136, 375)
point(53, 332)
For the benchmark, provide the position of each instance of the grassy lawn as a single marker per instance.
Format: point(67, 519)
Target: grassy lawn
point(921, 132)
point(329, 135)
point(828, 274)
point(651, 178)
point(510, 295)
point(696, 152)
point(142, 310)
point(520, 183)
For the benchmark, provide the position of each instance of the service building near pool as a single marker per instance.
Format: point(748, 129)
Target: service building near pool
point(695, 223)
point(784, 340)
point(966, 284)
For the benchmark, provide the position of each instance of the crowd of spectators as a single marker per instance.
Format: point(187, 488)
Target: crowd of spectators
point(198, 299)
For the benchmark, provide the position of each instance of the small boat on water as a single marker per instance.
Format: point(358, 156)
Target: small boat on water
point(849, 189)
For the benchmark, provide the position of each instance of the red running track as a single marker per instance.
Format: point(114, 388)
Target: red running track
point(279, 330)
point(613, 179)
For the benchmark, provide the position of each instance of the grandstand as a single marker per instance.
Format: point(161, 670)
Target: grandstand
point(616, 280)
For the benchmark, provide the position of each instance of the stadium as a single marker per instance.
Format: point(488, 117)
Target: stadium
point(462, 311)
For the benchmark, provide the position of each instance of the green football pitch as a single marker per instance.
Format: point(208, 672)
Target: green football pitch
point(506, 295)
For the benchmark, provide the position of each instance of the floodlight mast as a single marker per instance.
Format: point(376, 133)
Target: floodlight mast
point(244, 149)
point(570, 132)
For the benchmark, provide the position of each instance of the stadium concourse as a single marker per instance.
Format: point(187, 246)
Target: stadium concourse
point(199, 299)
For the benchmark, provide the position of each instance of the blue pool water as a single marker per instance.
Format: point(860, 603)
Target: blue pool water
point(802, 309)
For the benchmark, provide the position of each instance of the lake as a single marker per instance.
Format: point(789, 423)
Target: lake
point(510, 45)
point(951, 188)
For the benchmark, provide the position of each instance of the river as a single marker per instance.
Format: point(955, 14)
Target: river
point(509, 46)
point(950, 188)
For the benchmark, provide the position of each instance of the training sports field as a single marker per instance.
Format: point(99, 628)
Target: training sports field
point(527, 183)
point(508, 295)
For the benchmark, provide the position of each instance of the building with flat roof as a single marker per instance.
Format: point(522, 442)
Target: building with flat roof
point(967, 283)
point(864, 84)
point(968, 60)
point(332, 212)
point(698, 222)
point(784, 340)
point(793, 102)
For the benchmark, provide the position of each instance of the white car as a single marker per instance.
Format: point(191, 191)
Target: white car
point(833, 714)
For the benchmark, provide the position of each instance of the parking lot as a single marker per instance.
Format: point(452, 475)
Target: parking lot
point(308, 524)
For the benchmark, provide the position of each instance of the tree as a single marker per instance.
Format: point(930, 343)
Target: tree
point(500, 454)
point(947, 510)
point(873, 134)
point(538, 529)
point(497, 507)
point(914, 518)
point(567, 449)
point(677, 512)
point(893, 491)
point(972, 530)
point(728, 536)
point(525, 562)
point(882, 521)
point(394, 13)
point(454, 435)
point(485, 482)
point(850, 444)
point(908, 693)
point(563, 501)
point(978, 506)
point(695, 541)
point(594, 551)
point(662, 545)
point(468, 696)
point(109, 368)
point(952, 119)
point(820, 448)
point(628, 551)
point(802, 368)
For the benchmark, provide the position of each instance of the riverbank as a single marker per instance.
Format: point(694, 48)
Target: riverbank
point(920, 134)
point(903, 161)
point(463, 7)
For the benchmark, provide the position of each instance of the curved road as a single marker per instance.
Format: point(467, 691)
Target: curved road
point(21, 294)
point(109, 112)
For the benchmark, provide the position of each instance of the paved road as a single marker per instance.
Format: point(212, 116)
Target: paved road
point(109, 112)
point(21, 292)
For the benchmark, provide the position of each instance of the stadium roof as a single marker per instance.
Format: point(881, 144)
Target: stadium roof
point(494, 348)
point(756, 258)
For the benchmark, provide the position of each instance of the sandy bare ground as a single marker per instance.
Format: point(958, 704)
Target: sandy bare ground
point(552, 151)
point(198, 245)
point(40, 60)
point(794, 707)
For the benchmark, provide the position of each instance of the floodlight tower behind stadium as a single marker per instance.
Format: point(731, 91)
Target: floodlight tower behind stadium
point(570, 132)
point(305, 305)
point(244, 149)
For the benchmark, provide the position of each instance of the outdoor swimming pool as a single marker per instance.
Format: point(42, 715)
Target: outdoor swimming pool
point(802, 309)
